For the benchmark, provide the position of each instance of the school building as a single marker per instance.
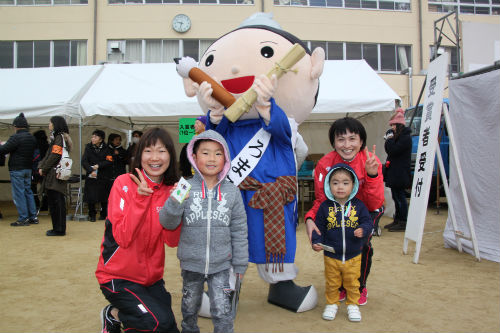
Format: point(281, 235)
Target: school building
point(395, 37)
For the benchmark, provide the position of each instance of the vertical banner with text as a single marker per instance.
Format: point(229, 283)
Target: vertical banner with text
point(426, 153)
point(186, 129)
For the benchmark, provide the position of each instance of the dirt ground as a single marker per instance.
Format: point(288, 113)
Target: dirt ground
point(47, 284)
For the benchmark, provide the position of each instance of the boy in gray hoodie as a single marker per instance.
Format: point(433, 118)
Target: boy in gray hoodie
point(213, 234)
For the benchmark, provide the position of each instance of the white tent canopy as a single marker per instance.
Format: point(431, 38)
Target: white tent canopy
point(144, 93)
point(352, 86)
point(149, 93)
point(129, 96)
point(44, 92)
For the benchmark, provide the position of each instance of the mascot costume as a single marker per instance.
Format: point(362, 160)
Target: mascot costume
point(258, 116)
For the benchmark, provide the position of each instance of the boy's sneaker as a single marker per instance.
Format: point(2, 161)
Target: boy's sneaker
point(330, 311)
point(363, 297)
point(353, 313)
point(34, 220)
point(109, 325)
point(342, 295)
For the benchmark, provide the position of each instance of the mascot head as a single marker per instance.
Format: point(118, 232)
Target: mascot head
point(238, 57)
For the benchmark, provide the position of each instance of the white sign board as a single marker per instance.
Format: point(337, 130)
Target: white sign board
point(428, 139)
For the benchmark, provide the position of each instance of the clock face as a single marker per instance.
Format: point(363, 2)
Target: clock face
point(181, 23)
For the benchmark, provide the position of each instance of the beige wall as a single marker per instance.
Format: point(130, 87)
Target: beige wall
point(46, 23)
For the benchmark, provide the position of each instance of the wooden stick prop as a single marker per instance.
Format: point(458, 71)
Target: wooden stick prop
point(187, 67)
point(245, 101)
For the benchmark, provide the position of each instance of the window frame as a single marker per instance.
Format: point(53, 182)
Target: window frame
point(47, 3)
point(466, 7)
point(144, 55)
point(363, 48)
point(73, 46)
point(398, 5)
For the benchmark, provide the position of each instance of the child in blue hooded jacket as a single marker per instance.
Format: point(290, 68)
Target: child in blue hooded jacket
point(344, 223)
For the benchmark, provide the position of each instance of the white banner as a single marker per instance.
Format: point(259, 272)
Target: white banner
point(426, 153)
point(249, 157)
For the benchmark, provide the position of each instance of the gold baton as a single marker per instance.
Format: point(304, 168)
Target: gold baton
point(245, 101)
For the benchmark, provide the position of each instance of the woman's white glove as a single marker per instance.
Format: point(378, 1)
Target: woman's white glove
point(265, 89)
point(204, 94)
point(389, 134)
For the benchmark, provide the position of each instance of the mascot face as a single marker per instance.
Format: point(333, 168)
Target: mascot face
point(238, 57)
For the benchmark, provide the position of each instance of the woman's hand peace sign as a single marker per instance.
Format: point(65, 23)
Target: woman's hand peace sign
point(142, 185)
point(371, 164)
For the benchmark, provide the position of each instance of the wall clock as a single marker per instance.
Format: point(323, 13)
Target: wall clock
point(181, 23)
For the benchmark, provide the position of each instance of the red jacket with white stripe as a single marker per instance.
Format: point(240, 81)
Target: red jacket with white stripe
point(370, 192)
point(133, 244)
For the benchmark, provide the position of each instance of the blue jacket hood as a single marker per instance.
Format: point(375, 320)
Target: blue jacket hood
point(326, 183)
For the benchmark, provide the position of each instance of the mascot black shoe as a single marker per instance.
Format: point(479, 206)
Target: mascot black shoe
point(288, 295)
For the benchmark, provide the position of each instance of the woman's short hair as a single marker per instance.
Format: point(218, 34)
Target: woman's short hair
point(59, 125)
point(113, 136)
point(149, 138)
point(342, 125)
point(99, 133)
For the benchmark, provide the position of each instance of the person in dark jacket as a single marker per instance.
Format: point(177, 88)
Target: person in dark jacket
point(344, 223)
point(54, 188)
point(397, 166)
point(120, 155)
point(42, 145)
point(97, 160)
point(21, 147)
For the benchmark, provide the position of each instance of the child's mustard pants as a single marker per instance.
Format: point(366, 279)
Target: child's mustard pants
point(339, 274)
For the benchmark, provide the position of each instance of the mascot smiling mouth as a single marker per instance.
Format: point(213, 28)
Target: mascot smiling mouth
point(238, 85)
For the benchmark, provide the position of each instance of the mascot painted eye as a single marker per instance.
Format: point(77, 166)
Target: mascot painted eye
point(267, 51)
point(209, 60)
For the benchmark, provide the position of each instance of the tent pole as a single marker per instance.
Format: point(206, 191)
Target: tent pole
point(79, 204)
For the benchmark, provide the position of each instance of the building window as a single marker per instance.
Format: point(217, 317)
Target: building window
point(41, 53)
point(452, 56)
point(380, 57)
point(42, 2)
point(219, 2)
point(24, 55)
point(335, 51)
point(481, 7)
point(6, 54)
point(30, 54)
point(155, 50)
point(399, 5)
point(370, 54)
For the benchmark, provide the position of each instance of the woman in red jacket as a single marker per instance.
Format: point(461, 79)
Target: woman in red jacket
point(348, 139)
point(131, 264)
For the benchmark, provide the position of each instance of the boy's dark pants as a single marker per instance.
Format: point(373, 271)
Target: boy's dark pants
point(220, 302)
point(141, 308)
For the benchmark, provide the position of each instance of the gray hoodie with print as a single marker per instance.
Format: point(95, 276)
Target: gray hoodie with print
point(214, 225)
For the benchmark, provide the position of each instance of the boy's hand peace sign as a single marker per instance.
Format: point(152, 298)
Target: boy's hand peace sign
point(142, 185)
point(371, 164)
